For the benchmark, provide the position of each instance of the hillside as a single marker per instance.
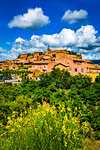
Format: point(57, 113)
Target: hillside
point(59, 111)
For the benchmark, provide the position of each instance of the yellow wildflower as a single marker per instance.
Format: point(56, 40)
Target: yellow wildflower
point(50, 128)
point(65, 143)
point(8, 118)
point(68, 108)
point(70, 115)
point(36, 129)
point(20, 119)
point(13, 112)
point(64, 129)
point(15, 123)
point(30, 108)
point(75, 108)
point(7, 127)
point(18, 126)
point(1, 124)
point(12, 130)
point(25, 112)
point(10, 122)
point(21, 114)
point(1, 134)
point(13, 116)
point(63, 109)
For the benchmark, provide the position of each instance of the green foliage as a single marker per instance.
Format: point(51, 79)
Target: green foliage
point(8, 73)
point(41, 129)
point(72, 53)
point(61, 79)
point(97, 80)
point(74, 96)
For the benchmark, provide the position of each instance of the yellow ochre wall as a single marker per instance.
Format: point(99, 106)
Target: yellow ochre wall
point(34, 75)
point(31, 69)
point(19, 78)
point(93, 76)
point(61, 67)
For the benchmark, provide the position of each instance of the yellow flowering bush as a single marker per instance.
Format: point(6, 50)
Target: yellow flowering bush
point(44, 128)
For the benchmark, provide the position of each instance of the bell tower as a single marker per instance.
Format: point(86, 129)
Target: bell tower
point(48, 49)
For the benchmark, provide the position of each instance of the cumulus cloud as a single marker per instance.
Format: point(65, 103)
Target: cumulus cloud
point(64, 38)
point(83, 40)
point(75, 16)
point(86, 36)
point(33, 19)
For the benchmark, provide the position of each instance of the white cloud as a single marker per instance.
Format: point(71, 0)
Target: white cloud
point(91, 56)
point(2, 50)
point(8, 55)
point(64, 38)
point(8, 43)
point(84, 41)
point(75, 16)
point(33, 19)
point(86, 36)
point(20, 40)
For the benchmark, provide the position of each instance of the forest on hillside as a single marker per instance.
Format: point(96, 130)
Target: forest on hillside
point(59, 112)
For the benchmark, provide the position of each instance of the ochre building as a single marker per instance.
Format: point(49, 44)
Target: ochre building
point(46, 61)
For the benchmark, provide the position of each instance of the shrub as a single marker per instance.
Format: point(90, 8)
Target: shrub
point(43, 128)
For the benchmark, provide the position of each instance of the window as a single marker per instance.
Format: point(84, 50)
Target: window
point(82, 70)
point(75, 70)
point(44, 68)
point(54, 55)
point(97, 71)
point(52, 59)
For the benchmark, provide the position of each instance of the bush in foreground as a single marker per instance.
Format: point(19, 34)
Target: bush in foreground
point(41, 129)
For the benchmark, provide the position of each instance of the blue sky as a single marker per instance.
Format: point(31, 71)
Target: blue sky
point(31, 25)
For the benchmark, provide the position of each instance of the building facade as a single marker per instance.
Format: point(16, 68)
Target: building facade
point(46, 61)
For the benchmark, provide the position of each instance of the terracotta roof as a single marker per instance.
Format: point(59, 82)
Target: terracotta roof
point(77, 59)
point(41, 62)
point(26, 62)
point(58, 50)
point(89, 61)
point(62, 65)
point(31, 56)
point(46, 57)
point(40, 57)
point(23, 54)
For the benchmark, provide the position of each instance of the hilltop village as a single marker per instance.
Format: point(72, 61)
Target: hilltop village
point(39, 62)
